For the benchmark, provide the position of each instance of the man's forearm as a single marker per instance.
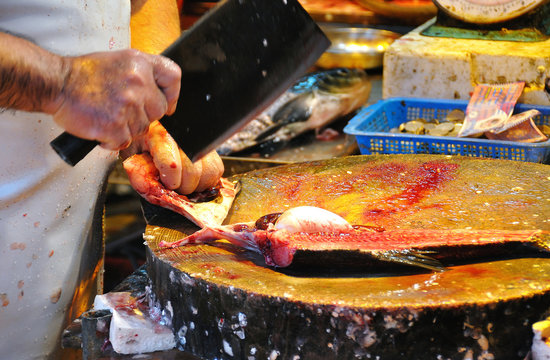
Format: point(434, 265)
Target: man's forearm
point(31, 78)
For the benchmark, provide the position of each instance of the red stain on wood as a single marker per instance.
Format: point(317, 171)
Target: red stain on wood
point(472, 271)
point(417, 184)
point(290, 185)
point(220, 271)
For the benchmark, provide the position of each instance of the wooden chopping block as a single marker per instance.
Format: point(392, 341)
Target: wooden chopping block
point(226, 304)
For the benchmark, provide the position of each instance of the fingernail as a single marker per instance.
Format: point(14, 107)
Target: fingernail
point(173, 108)
point(125, 145)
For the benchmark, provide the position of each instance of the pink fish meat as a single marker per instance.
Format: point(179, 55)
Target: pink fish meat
point(280, 237)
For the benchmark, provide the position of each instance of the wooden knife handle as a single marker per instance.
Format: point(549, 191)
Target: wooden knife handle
point(72, 149)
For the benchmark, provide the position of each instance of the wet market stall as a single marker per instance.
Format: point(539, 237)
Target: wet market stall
point(423, 130)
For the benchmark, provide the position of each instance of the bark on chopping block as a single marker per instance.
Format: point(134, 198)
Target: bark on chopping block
point(225, 303)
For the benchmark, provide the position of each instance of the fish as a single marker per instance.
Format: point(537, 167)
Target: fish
point(313, 102)
point(313, 231)
point(206, 208)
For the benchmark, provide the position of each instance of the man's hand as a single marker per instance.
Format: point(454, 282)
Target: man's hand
point(109, 96)
point(177, 172)
point(112, 97)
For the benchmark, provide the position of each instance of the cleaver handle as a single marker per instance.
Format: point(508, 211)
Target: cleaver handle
point(72, 149)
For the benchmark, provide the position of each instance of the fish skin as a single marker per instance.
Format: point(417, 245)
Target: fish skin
point(423, 248)
point(209, 207)
point(312, 103)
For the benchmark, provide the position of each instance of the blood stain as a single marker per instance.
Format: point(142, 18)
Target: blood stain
point(419, 183)
point(4, 299)
point(474, 271)
point(54, 297)
point(18, 246)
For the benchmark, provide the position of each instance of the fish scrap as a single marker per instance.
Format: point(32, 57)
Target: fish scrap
point(208, 208)
point(280, 237)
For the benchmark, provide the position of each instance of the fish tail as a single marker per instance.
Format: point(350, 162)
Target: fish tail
point(409, 257)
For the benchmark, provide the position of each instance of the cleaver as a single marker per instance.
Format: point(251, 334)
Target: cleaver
point(236, 60)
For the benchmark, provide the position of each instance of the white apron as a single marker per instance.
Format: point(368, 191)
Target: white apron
point(50, 213)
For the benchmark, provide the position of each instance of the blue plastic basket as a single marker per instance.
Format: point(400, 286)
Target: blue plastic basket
point(371, 128)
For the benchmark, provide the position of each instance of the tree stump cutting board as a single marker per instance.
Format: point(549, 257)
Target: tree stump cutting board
point(225, 303)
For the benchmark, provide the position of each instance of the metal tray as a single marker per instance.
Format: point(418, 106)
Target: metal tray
point(355, 47)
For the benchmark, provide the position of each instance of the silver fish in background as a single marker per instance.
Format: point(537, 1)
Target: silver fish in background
point(313, 102)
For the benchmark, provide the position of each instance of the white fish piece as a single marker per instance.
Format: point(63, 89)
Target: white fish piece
point(311, 219)
point(133, 331)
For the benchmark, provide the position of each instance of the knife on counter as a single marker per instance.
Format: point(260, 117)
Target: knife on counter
point(236, 60)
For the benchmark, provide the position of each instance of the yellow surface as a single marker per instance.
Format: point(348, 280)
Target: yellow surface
point(480, 194)
point(154, 24)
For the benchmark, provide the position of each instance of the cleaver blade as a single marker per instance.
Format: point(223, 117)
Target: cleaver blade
point(236, 60)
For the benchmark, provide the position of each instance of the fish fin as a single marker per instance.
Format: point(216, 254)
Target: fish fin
point(410, 257)
point(296, 110)
point(541, 240)
point(268, 132)
point(265, 148)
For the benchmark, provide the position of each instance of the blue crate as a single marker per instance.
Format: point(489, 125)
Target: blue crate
point(372, 124)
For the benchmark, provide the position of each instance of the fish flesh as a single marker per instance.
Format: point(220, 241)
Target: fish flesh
point(207, 208)
point(281, 237)
point(312, 103)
